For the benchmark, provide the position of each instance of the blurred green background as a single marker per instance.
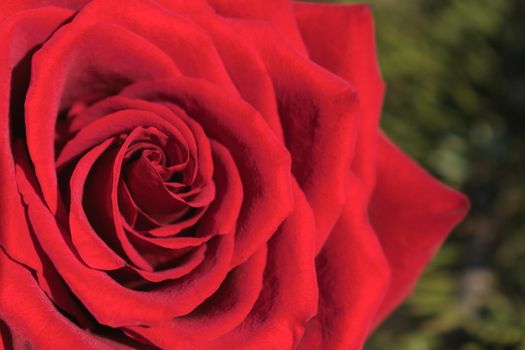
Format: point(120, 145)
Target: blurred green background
point(455, 71)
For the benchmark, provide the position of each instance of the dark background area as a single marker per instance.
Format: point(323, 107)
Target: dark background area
point(455, 73)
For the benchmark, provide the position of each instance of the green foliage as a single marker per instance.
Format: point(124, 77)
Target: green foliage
point(455, 71)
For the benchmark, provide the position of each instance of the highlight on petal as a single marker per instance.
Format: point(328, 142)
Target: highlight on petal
point(412, 213)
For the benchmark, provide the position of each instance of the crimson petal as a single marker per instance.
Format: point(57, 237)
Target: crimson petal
point(351, 54)
point(412, 213)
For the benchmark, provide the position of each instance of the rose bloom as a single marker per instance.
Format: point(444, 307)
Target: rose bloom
point(207, 174)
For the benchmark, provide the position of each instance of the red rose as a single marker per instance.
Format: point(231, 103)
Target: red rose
point(202, 175)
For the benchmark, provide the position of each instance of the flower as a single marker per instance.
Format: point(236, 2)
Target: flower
point(202, 175)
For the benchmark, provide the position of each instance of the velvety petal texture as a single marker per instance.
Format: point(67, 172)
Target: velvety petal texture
point(410, 224)
point(351, 54)
point(202, 175)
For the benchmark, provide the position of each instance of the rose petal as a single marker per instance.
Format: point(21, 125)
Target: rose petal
point(172, 242)
point(32, 317)
point(48, 278)
point(351, 54)
point(187, 45)
point(278, 12)
point(245, 67)
point(183, 267)
point(120, 122)
point(319, 113)
point(223, 311)
point(223, 213)
point(289, 293)
point(150, 191)
point(353, 276)
point(91, 248)
point(101, 205)
point(411, 213)
point(19, 35)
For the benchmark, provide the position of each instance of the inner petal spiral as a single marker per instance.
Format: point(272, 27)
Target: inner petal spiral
point(143, 191)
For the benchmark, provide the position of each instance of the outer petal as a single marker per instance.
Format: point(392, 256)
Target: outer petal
point(412, 213)
point(350, 54)
point(353, 276)
point(278, 12)
point(18, 36)
point(33, 320)
point(319, 114)
point(245, 67)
